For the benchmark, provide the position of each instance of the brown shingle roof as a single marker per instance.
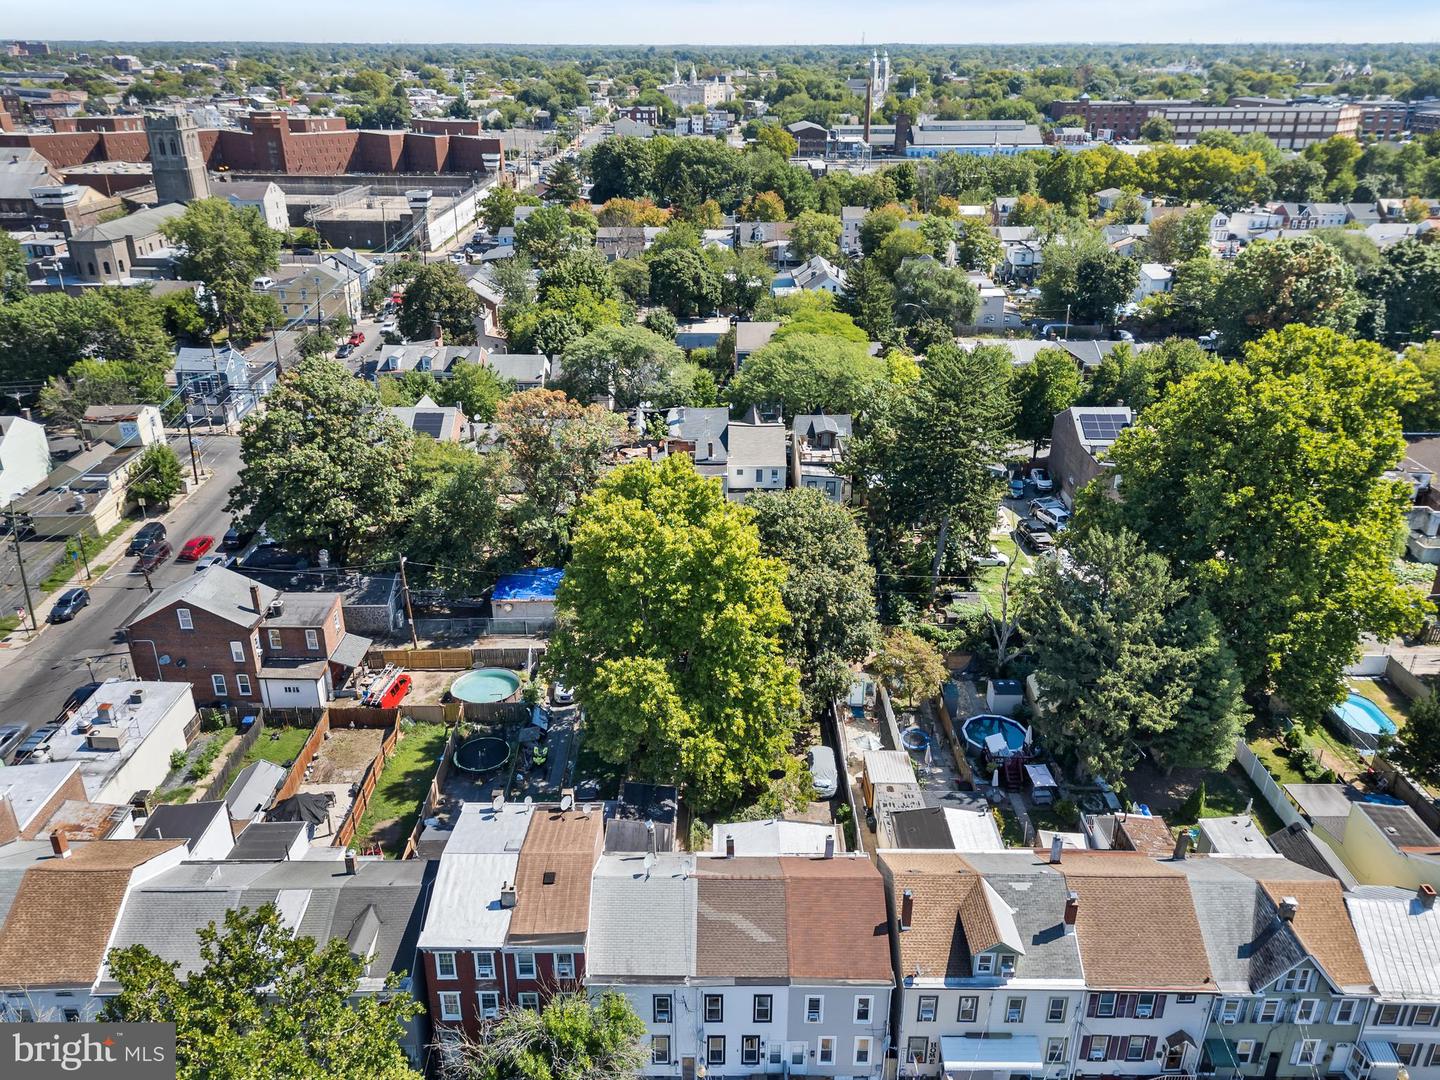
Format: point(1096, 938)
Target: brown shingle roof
point(1137, 925)
point(60, 922)
point(941, 887)
point(1323, 926)
point(1149, 835)
point(835, 919)
point(552, 880)
point(740, 924)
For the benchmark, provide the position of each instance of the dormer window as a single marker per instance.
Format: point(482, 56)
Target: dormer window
point(1007, 964)
point(985, 964)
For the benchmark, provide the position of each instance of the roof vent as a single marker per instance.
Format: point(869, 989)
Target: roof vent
point(507, 895)
point(1288, 907)
point(1057, 846)
point(548, 878)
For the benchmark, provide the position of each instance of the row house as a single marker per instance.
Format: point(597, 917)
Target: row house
point(1399, 933)
point(746, 965)
point(508, 915)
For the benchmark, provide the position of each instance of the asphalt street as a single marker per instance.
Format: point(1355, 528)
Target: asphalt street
point(35, 679)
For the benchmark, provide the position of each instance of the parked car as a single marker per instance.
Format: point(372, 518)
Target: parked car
point(822, 771)
point(562, 694)
point(304, 251)
point(395, 692)
point(154, 555)
point(1035, 534)
point(344, 350)
point(68, 605)
point(11, 736)
point(149, 533)
point(1056, 518)
point(195, 547)
point(1041, 479)
point(356, 338)
point(994, 557)
point(1017, 487)
point(236, 538)
point(208, 561)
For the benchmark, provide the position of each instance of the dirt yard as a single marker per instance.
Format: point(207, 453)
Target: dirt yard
point(343, 757)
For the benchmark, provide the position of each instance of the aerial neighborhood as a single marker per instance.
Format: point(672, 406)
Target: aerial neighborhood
point(852, 561)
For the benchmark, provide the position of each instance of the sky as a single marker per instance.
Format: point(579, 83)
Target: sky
point(721, 22)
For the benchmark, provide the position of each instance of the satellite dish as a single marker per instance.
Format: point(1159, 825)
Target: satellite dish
point(649, 862)
point(498, 802)
point(566, 802)
point(165, 658)
point(586, 809)
point(529, 801)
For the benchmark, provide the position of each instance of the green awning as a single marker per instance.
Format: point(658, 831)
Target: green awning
point(1220, 1054)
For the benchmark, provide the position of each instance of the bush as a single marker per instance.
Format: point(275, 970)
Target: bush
point(178, 759)
point(1067, 813)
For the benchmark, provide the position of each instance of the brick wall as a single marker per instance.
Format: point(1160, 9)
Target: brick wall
point(505, 984)
point(205, 651)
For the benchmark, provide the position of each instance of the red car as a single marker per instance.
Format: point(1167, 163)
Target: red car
point(196, 547)
point(357, 338)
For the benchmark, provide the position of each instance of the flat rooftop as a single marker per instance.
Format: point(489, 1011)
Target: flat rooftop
point(136, 719)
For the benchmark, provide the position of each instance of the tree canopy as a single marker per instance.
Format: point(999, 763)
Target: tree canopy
point(809, 373)
point(1277, 283)
point(572, 1038)
point(628, 363)
point(227, 249)
point(437, 296)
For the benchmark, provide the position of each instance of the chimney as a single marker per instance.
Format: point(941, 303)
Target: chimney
point(1288, 907)
point(255, 599)
point(907, 909)
point(729, 846)
point(351, 862)
point(60, 844)
point(1182, 845)
point(105, 713)
point(830, 845)
point(507, 895)
point(1072, 911)
point(1057, 845)
point(1426, 896)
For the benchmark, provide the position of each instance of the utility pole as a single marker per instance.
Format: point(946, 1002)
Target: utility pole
point(194, 465)
point(149, 585)
point(84, 555)
point(409, 615)
point(20, 562)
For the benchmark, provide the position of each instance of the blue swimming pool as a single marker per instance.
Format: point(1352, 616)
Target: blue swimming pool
point(978, 728)
point(1361, 714)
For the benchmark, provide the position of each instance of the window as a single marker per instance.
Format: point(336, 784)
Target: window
point(242, 685)
point(489, 1004)
point(484, 965)
point(714, 1009)
point(1307, 1052)
point(660, 1009)
point(984, 965)
point(660, 1049)
point(1145, 1006)
point(529, 1000)
point(1269, 1012)
point(564, 965)
point(1405, 1052)
point(925, 1013)
point(715, 1050)
point(969, 1007)
point(1307, 1011)
point(336, 620)
point(814, 1009)
point(1424, 1015)
point(525, 965)
point(774, 475)
point(826, 1055)
point(798, 1053)
point(1098, 1045)
point(749, 1049)
point(1230, 1011)
point(1055, 1014)
point(312, 640)
point(445, 965)
point(1345, 1011)
point(1297, 980)
point(183, 614)
point(1055, 1051)
point(1185, 999)
point(217, 682)
point(1388, 1015)
point(759, 475)
point(862, 1050)
point(864, 1006)
point(274, 640)
point(1434, 1056)
point(762, 1008)
point(1106, 1005)
point(71, 1015)
point(237, 651)
point(1245, 1051)
point(1014, 1010)
point(1007, 964)
point(917, 1049)
point(1135, 1048)
point(449, 1005)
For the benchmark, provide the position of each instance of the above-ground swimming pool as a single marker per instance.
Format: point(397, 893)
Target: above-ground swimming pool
point(484, 685)
point(978, 728)
point(1359, 713)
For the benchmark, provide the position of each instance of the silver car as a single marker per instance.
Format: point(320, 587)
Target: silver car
point(823, 772)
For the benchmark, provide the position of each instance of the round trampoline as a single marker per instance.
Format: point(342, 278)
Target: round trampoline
point(484, 685)
point(914, 739)
point(482, 755)
point(979, 728)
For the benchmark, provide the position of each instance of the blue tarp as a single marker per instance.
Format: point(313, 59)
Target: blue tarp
point(538, 584)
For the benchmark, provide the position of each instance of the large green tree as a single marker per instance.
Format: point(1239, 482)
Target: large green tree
point(925, 289)
point(1274, 284)
point(265, 1004)
point(1086, 279)
point(682, 281)
point(447, 476)
point(438, 296)
point(669, 631)
point(227, 249)
point(155, 477)
point(626, 363)
point(14, 279)
point(814, 233)
point(572, 1038)
point(1263, 483)
point(829, 587)
point(45, 334)
point(869, 299)
point(1047, 385)
point(1406, 285)
point(475, 389)
point(324, 466)
point(809, 373)
point(1127, 661)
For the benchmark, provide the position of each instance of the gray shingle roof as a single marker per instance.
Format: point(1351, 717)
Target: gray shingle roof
point(1036, 896)
point(266, 841)
point(140, 223)
point(659, 944)
point(219, 591)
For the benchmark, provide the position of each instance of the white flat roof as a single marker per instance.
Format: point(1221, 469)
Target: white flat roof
point(1401, 941)
point(1020, 1053)
point(889, 767)
point(136, 720)
point(30, 787)
point(465, 911)
point(773, 836)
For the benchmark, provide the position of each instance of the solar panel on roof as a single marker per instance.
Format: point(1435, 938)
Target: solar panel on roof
point(1103, 427)
point(429, 423)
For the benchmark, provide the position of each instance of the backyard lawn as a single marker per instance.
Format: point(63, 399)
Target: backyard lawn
point(281, 745)
point(395, 803)
point(990, 581)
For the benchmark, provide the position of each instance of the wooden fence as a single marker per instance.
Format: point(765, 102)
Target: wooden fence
point(344, 717)
point(434, 795)
point(449, 713)
point(947, 725)
point(307, 754)
point(346, 832)
point(516, 657)
point(233, 761)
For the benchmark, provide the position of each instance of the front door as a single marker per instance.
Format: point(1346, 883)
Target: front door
point(775, 1057)
point(1272, 1066)
point(797, 1056)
